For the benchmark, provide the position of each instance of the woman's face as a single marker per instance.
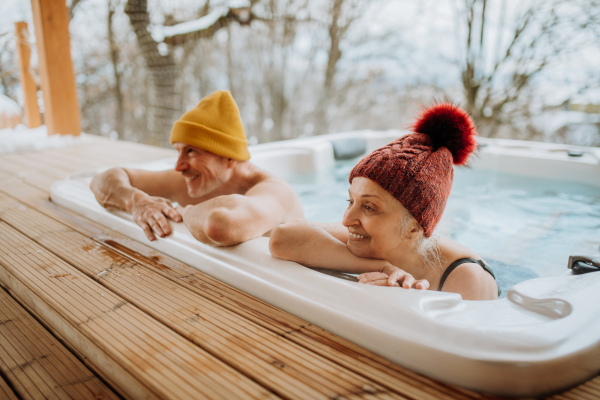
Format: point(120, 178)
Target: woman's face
point(373, 219)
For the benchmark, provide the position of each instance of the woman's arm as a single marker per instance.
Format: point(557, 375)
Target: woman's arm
point(335, 229)
point(309, 244)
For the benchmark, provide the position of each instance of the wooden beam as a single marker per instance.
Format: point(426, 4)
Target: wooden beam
point(61, 110)
point(32, 110)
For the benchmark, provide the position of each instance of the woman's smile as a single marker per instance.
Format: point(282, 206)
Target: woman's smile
point(357, 236)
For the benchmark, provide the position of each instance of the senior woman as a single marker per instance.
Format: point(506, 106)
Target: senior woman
point(397, 196)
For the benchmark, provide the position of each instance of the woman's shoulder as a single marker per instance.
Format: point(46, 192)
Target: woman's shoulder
point(469, 278)
point(450, 251)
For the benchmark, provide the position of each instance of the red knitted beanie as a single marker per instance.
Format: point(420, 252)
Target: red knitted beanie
point(417, 168)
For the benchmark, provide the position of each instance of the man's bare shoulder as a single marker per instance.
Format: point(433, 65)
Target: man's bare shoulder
point(267, 184)
point(258, 177)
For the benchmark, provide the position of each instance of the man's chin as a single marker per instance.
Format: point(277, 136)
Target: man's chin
point(194, 192)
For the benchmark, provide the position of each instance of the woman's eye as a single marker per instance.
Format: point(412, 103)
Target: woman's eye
point(350, 202)
point(368, 208)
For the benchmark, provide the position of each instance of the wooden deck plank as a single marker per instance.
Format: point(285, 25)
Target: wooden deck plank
point(65, 375)
point(17, 167)
point(148, 348)
point(21, 380)
point(33, 378)
point(59, 163)
point(583, 391)
point(282, 366)
point(40, 170)
point(111, 153)
point(135, 327)
point(105, 152)
point(6, 392)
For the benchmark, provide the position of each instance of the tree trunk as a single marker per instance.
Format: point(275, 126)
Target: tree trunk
point(114, 58)
point(335, 37)
point(163, 74)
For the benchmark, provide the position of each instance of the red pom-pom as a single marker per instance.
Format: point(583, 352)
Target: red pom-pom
point(449, 126)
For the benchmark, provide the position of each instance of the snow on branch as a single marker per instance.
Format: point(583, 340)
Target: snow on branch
point(160, 33)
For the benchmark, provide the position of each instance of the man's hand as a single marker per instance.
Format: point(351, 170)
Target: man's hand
point(150, 213)
point(393, 276)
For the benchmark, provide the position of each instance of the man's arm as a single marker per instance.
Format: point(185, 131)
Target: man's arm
point(114, 189)
point(232, 219)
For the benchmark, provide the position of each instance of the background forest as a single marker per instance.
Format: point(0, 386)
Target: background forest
point(524, 69)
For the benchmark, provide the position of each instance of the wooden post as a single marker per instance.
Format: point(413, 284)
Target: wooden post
point(32, 111)
point(61, 111)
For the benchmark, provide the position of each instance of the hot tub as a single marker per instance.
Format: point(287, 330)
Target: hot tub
point(543, 336)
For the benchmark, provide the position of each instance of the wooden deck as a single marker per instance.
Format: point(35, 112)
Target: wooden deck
point(86, 313)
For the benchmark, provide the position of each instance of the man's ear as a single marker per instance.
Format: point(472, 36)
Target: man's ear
point(231, 163)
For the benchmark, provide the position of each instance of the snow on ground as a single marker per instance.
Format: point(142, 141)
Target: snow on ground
point(21, 139)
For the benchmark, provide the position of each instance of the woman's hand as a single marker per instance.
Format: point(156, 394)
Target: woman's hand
point(393, 276)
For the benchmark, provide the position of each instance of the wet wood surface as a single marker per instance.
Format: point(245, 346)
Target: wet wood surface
point(37, 364)
point(88, 313)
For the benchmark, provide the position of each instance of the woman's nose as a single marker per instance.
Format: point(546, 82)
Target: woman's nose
point(349, 217)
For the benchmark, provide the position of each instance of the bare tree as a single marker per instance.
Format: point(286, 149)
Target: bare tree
point(342, 14)
point(303, 67)
point(9, 67)
point(114, 58)
point(500, 60)
point(163, 74)
point(162, 66)
point(72, 6)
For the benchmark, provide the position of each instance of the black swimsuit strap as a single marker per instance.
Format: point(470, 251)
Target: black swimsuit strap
point(456, 263)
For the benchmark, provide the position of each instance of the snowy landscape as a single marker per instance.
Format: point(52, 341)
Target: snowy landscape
point(523, 69)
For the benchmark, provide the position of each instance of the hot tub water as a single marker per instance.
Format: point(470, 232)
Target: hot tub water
point(523, 227)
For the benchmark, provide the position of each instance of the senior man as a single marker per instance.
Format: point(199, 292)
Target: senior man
point(223, 198)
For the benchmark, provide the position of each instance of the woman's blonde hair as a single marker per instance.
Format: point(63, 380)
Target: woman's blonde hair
point(426, 247)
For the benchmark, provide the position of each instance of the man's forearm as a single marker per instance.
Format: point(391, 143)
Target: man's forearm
point(112, 189)
point(219, 226)
point(194, 218)
point(226, 220)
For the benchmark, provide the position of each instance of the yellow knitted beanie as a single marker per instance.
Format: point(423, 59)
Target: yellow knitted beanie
point(214, 125)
